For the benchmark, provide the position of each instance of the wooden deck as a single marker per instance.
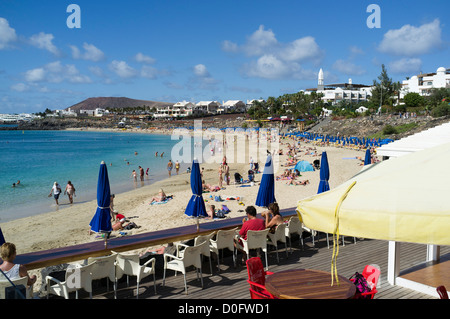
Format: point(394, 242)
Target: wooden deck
point(230, 282)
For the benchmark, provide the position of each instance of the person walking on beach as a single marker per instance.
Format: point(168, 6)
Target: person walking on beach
point(169, 167)
point(177, 166)
point(220, 176)
point(56, 190)
point(70, 191)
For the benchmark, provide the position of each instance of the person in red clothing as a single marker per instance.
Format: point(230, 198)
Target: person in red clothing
point(249, 223)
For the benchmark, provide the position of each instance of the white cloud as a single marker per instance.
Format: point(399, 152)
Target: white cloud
point(268, 67)
point(19, 87)
point(202, 79)
point(275, 59)
point(91, 52)
point(96, 70)
point(411, 41)
point(142, 58)
point(149, 72)
point(229, 46)
point(56, 72)
point(348, 67)
point(35, 75)
point(7, 34)
point(122, 69)
point(260, 41)
point(405, 66)
point(44, 41)
point(200, 70)
point(301, 49)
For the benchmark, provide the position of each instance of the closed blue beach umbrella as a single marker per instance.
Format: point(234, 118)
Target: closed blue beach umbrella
point(2, 239)
point(266, 192)
point(367, 159)
point(324, 174)
point(196, 206)
point(101, 222)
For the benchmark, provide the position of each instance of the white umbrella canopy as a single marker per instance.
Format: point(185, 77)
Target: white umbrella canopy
point(405, 199)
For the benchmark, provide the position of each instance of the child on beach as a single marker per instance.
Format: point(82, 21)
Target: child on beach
point(211, 212)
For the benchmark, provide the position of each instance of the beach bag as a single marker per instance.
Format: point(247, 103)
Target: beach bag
point(360, 283)
point(225, 209)
point(217, 198)
point(130, 226)
point(220, 214)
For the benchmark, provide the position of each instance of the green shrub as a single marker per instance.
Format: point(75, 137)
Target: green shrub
point(442, 109)
point(389, 129)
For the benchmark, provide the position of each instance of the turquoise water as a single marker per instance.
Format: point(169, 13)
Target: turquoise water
point(38, 158)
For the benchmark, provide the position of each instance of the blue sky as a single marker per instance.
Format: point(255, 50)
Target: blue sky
point(172, 50)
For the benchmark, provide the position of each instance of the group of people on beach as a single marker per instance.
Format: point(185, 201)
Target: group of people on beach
point(56, 191)
point(141, 174)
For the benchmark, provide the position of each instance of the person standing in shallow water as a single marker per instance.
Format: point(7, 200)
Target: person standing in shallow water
point(169, 167)
point(56, 190)
point(70, 191)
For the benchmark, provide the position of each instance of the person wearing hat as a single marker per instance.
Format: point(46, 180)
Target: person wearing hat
point(56, 190)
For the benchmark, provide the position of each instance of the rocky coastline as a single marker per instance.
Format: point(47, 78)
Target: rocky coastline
point(363, 126)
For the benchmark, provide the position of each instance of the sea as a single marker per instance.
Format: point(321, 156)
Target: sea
point(39, 158)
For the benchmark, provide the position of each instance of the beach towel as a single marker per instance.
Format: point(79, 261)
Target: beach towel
point(161, 202)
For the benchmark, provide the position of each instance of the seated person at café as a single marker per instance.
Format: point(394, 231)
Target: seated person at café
point(251, 222)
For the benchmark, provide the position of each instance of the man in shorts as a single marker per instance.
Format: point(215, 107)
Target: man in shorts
point(56, 190)
point(169, 167)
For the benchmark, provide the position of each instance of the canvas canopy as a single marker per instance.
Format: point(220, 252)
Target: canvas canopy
point(402, 199)
point(304, 166)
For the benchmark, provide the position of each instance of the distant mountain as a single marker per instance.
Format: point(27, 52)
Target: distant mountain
point(114, 102)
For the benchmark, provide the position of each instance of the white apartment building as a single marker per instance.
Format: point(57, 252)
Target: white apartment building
point(179, 109)
point(234, 106)
point(334, 93)
point(424, 82)
point(208, 107)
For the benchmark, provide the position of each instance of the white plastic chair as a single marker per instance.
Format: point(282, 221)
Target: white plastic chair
point(129, 265)
point(224, 240)
point(104, 267)
point(190, 256)
point(4, 283)
point(294, 226)
point(279, 235)
point(256, 239)
point(77, 277)
point(205, 251)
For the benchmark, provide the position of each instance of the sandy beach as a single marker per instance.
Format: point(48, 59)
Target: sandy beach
point(70, 225)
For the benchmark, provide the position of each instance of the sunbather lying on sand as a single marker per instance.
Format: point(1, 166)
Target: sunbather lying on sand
point(160, 197)
point(210, 188)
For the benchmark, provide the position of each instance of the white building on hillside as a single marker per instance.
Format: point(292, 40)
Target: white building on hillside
point(179, 109)
point(250, 103)
point(207, 107)
point(334, 93)
point(234, 106)
point(99, 112)
point(424, 82)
